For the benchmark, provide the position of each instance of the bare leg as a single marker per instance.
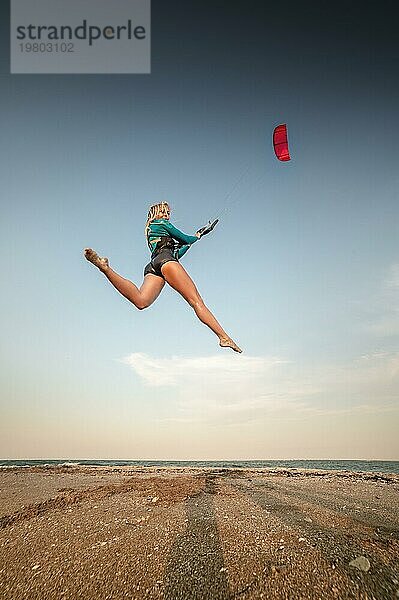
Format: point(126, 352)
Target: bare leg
point(141, 297)
point(179, 280)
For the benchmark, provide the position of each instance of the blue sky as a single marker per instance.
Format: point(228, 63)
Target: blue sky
point(303, 270)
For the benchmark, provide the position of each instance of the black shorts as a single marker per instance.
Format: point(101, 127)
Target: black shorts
point(157, 261)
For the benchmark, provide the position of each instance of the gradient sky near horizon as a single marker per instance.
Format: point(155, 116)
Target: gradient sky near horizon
point(303, 270)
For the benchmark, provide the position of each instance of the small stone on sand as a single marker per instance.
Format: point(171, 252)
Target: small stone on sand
point(361, 562)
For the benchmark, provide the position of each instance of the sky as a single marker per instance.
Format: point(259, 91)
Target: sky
point(302, 271)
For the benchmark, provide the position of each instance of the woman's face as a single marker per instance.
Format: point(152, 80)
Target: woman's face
point(166, 212)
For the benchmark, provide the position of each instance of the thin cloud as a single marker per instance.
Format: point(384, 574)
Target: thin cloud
point(175, 370)
point(237, 389)
point(213, 388)
point(386, 323)
point(392, 281)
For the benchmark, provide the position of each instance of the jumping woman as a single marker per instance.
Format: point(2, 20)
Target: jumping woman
point(167, 244)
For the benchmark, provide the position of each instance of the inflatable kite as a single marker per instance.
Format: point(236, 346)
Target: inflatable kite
point(280, 143)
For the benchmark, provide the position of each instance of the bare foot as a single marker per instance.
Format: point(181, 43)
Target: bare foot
point(228, 343)
point(92, 256)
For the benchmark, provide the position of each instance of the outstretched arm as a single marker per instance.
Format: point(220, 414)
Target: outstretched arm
point(179, 235)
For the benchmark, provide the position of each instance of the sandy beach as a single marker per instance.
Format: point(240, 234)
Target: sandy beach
point(186, 533)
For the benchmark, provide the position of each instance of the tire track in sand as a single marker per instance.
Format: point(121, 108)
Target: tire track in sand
point(196, 569)
point(339, 538)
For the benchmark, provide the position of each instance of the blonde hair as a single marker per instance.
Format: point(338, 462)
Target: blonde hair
point(156, 211)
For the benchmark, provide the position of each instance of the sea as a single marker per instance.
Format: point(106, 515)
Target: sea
point(363, 466)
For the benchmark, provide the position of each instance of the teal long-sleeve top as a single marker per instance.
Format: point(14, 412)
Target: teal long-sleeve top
point(161, 228)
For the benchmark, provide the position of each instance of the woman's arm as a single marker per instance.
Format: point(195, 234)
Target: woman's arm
point(179, 235)
point(182, 250)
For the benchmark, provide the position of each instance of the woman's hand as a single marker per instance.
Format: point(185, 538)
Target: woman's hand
point(207, 229)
